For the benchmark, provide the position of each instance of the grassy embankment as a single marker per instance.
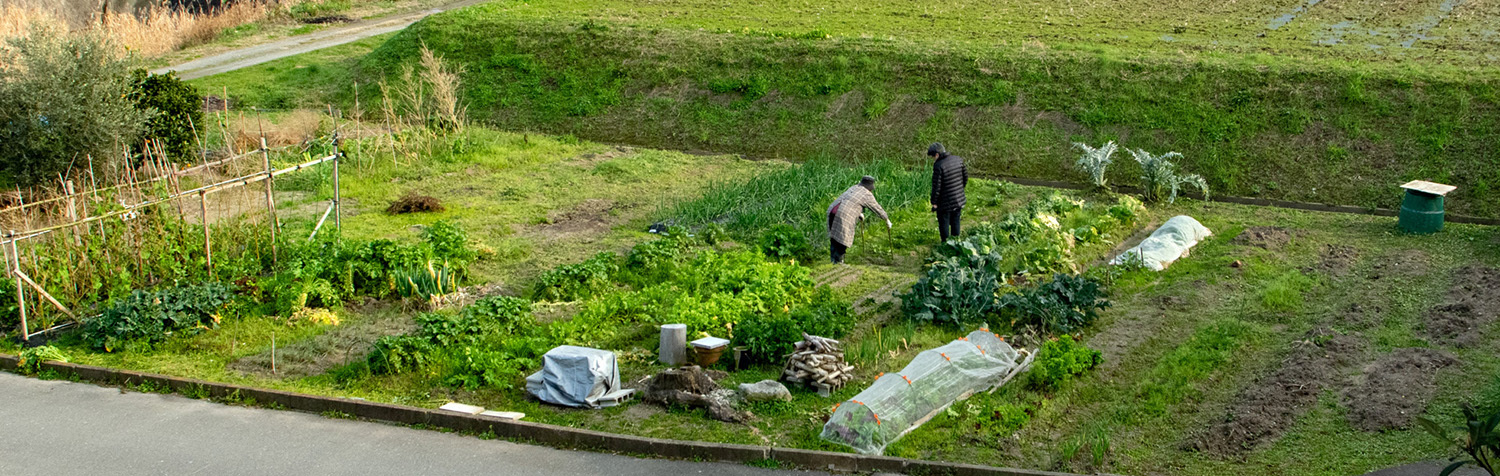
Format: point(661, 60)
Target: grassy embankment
point(1272, 116)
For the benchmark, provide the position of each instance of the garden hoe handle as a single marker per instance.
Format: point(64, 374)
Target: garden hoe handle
point(890, 247)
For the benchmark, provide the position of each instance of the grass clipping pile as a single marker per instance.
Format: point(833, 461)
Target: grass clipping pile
point(898, 403)
point(413, 202)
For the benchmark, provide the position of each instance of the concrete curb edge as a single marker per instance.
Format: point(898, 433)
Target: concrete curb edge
point(538, 433)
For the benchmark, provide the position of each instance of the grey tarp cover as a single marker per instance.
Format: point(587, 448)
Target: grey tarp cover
point(575, 376)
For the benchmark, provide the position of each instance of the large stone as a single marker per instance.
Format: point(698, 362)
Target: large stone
point(765, 391)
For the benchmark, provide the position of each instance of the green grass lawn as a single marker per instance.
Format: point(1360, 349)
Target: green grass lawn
point(1458, 35)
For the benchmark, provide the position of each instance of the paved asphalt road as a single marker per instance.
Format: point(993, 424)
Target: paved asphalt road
point(296, 45)
point(63, 428)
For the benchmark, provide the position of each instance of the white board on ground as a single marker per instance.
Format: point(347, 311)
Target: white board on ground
point(461, 408)
point(505, 415)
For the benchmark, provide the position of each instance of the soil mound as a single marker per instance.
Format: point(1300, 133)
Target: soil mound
point(1362, 315)
point(1264, 411)
point(1472, 303)
point(1337, 260)
point(1404, 264)
point(413, 202)
point(1265, 237)
point(1396, 388)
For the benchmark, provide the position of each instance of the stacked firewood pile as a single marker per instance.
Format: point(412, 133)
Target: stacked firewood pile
point(818, 363)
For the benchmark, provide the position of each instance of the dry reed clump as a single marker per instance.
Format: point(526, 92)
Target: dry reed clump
point(443, 79)
point(413, 202)
point(156, 32)
point(295, 128)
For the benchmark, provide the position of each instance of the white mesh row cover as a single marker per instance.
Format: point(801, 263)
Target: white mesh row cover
point(1166, 244)
point(898, 403)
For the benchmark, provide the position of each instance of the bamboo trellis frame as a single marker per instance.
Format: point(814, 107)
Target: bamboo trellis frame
point(12, 238)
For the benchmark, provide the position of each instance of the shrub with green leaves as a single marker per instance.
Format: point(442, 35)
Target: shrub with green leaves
point(501, 313)
point(486, 317)
point(571, 282)
point(1059, 360)
point(152, 316)
point(64, 97)
point(1065, 304)
point(1159, 177)
point(176, 108)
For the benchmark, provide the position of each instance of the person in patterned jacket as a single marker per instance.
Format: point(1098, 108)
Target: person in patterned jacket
point(845, 214)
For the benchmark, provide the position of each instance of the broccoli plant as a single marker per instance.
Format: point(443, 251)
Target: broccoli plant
point(1159, 177)
point(1094, 161)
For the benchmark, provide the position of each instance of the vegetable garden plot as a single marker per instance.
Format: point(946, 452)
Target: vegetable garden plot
point(898, 403)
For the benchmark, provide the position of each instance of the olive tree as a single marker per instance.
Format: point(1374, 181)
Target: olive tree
point(64, 97)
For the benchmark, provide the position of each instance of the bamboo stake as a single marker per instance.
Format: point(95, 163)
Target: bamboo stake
point(20, 292)
point(45, 294)
point(337, 208)
point(270, 198)
point(208, 250)
point(202, 152)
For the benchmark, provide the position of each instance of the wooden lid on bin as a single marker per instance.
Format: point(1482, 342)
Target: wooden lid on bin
point(1429, 187)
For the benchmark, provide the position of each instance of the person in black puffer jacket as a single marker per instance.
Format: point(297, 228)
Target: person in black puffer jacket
point(949, 178)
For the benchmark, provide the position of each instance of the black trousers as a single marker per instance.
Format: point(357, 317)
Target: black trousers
point(948, 223)
point(836, 251)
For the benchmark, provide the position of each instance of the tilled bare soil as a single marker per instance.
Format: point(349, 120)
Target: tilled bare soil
point(1396, 388)
point(1471, 305)
point(1263, 411)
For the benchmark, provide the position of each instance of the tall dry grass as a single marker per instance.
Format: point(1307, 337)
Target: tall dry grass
point(156, 32)
point(443, 79)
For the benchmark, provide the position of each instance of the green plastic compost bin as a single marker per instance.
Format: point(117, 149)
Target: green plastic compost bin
point(1422, 209)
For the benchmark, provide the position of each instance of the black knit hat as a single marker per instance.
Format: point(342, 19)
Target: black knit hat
point(867, 180)
point(936, 149)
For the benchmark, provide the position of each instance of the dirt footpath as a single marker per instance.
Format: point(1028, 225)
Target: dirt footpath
point(296, 45)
